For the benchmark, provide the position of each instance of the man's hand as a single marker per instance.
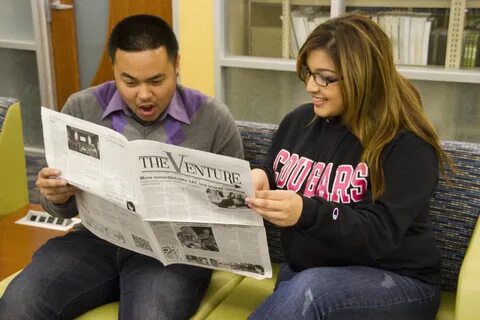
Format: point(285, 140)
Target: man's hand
point(281, 207)
point(52, 187)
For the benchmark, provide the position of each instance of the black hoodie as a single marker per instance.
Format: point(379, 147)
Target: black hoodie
point(339, 224)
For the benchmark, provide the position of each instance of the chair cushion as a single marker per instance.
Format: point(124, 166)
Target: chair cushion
point(221, 285)
point(107, 311)
point(4, 283)
point(447, 306)
point(5, 103)
point(245, 298)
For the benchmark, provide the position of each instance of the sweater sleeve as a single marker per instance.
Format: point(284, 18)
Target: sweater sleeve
point(67, 210)
point(369, 231)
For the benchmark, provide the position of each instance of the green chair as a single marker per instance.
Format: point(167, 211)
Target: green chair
point(13, 174)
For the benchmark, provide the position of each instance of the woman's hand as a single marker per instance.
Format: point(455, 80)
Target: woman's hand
point(281, 207)
point(260, 180)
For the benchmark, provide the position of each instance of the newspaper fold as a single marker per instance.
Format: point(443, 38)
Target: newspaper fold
point(175, 204)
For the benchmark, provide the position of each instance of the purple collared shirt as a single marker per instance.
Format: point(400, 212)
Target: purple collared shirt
point(182, 108)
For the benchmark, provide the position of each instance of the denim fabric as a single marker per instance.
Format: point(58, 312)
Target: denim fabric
point(353, 292)
point(72, 274)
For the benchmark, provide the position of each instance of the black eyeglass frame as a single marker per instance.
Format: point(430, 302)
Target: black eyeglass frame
point(306, 74)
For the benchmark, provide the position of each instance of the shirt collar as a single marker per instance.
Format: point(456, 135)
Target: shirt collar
point(176, 108)
point(116, 103)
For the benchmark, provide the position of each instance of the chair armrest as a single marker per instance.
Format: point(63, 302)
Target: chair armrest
point(468, 290)
point(5, 282)
point(13, 173)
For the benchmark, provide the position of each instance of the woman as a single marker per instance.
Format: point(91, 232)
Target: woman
point(349, 177)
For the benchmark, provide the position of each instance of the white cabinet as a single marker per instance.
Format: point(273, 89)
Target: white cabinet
point(25, 66)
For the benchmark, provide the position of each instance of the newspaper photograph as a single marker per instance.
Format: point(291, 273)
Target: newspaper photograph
point(172, 203)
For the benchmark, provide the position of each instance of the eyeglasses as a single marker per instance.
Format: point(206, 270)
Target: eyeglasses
point(317, 78)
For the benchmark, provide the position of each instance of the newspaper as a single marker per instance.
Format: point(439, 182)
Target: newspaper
point(175, 204)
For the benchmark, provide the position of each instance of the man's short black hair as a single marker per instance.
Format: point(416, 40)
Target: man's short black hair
point(142, 32)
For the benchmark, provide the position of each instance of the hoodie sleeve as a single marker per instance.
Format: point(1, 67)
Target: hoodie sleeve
point(369, 231)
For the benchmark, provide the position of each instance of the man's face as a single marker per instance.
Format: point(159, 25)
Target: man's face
point(146, 80)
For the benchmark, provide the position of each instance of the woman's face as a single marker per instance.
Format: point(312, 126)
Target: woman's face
point(327, 101)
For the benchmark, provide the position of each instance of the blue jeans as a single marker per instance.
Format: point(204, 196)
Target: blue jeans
point(74, 273)
point(353, 292)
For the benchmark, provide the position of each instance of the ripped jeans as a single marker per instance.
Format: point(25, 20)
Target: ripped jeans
point(352, 292)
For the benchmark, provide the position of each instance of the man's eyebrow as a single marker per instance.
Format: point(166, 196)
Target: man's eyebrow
point(126, 75)
point(157, 76)
point(154, 77)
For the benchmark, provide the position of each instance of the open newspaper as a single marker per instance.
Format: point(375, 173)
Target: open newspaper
point(175, 204)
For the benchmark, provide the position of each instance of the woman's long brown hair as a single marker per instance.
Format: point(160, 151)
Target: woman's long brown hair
point(378, 101)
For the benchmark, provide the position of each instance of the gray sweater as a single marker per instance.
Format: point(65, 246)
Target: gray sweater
point(210, 126)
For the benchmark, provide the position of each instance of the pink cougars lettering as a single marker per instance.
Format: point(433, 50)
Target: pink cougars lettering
point(294, 172)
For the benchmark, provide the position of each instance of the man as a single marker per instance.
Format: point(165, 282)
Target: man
point(77, 272)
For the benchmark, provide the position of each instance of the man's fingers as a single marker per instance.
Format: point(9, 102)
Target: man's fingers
point(51, 184)
point(58, 195)
point(49, 178)
point(59, 199)
point(47, 172)
point(58, 191)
